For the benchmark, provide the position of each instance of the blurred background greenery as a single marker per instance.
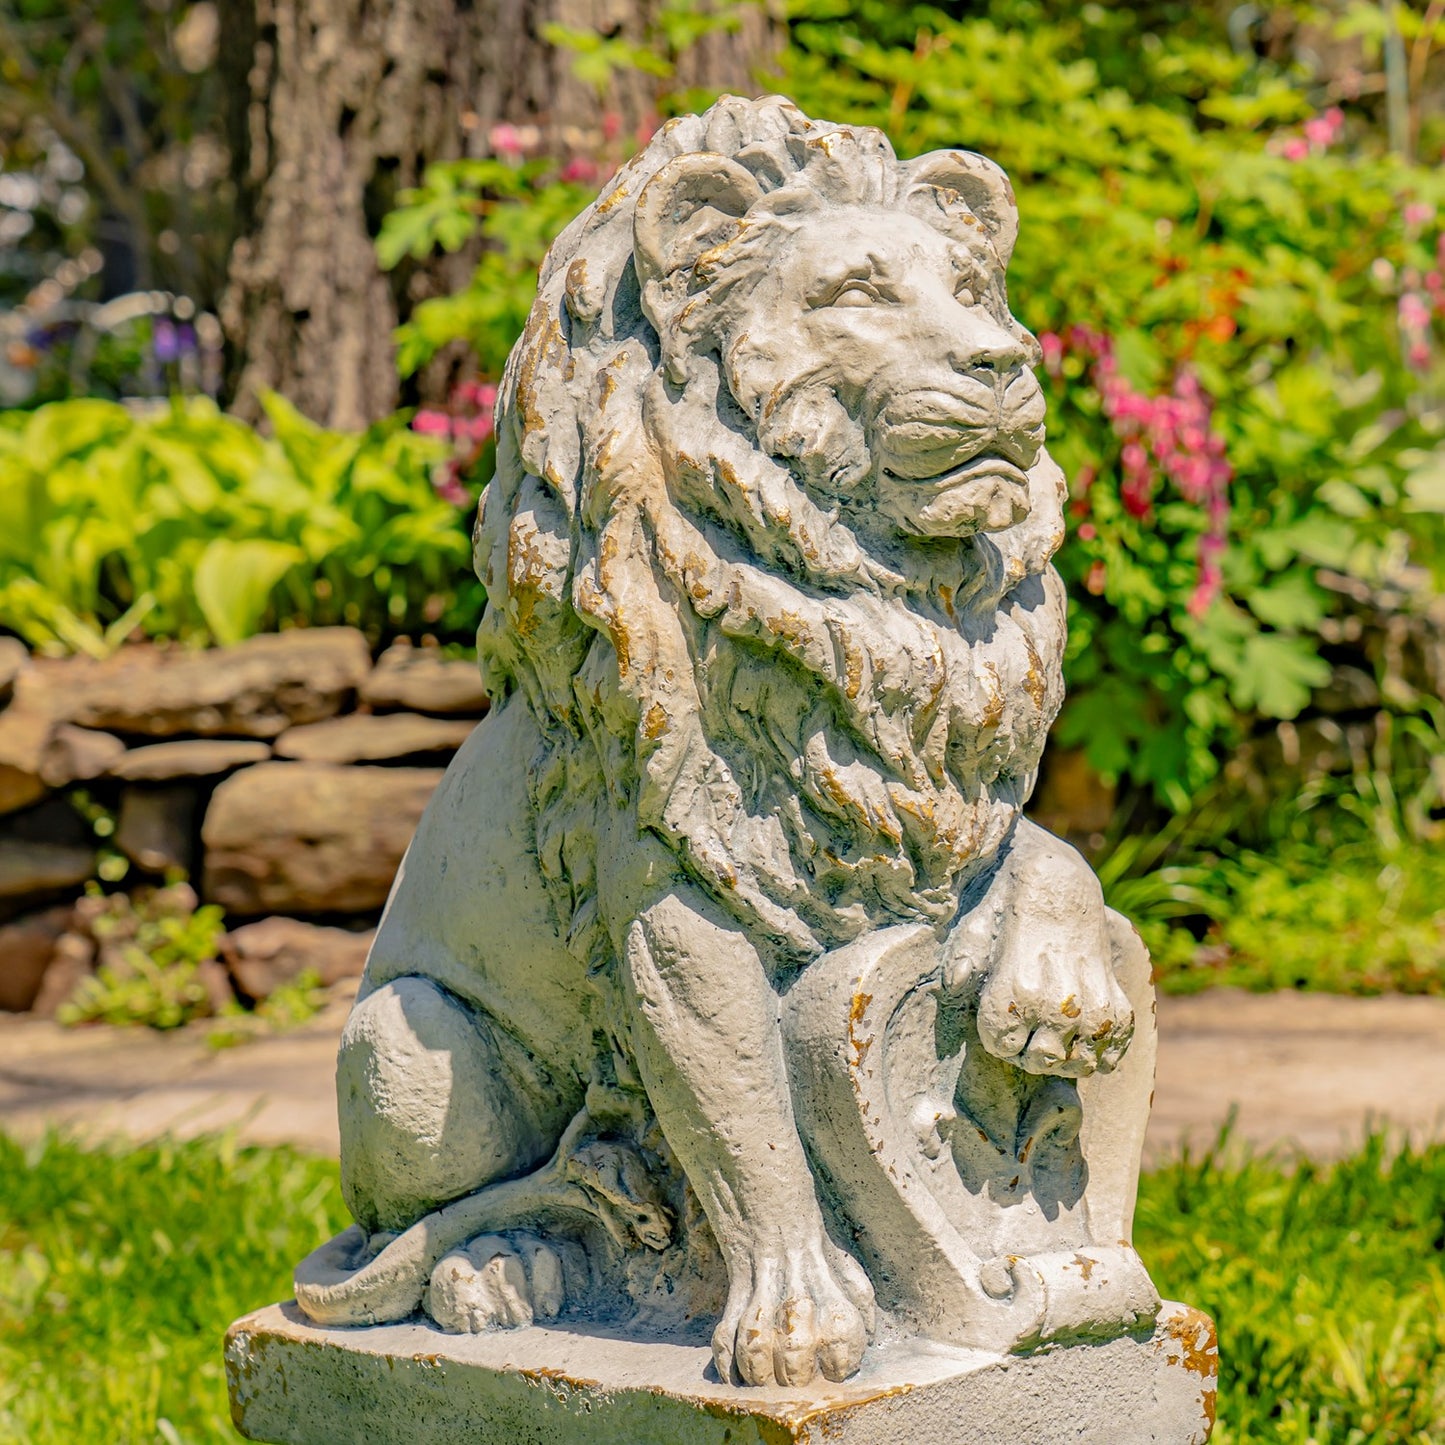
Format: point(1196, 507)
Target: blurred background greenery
point(260, 267)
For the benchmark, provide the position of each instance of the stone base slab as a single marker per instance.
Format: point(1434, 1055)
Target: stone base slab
point(294, 1383)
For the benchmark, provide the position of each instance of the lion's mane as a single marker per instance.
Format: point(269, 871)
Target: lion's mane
point(829, 732)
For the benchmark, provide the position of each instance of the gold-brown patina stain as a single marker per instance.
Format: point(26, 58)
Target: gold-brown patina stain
point(856, 1013)
point(1035, 683)
point(526, 574)
point(1070, 1008)
point(1197, 1340)
point(654, 724)
point(1086, 1265)
point(617, 197)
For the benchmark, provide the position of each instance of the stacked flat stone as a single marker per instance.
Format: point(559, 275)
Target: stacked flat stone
point(285, 775)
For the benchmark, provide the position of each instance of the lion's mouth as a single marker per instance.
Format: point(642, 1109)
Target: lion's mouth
point(985, 494)
point(988, 464)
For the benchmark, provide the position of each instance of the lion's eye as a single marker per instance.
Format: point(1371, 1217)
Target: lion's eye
point(854, 293)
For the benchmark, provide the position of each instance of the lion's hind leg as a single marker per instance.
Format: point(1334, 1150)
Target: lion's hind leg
point(426, 1107)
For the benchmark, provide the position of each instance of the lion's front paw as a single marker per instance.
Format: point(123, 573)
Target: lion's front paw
point(1037, 948)
point(494, 1283)
point(1052, 1005)
point(1054, 1015)
point(792, 1314)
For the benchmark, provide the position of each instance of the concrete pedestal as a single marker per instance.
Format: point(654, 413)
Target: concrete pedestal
point(294, 1383)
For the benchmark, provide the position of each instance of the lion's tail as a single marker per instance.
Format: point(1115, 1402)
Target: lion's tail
point(338, 1284)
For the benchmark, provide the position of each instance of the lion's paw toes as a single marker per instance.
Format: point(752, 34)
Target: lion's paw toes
point(794, 1316)
point(494, 1283)
point(1069, 1019)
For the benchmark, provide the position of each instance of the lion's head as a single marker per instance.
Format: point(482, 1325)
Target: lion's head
point(768, 545)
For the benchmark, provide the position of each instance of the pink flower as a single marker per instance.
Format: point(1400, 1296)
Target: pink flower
point(1087, 532)
point(1296, 148)
point(473, 428)
point(1322, 131)
point(432, 423)
point(1418, 355)
point(1206, 589)
point(506, 140)
point(479, 394)
point(1414, 312)
point(611, 125)
point(579, 168)
point(1418, 214)
point(1052, 346)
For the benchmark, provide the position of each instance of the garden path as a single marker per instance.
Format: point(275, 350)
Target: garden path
point(1312, 1071)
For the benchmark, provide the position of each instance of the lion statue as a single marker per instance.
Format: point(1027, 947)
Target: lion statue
point(724, 985)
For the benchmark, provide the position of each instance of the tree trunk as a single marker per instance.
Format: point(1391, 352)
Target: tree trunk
point(337, 105)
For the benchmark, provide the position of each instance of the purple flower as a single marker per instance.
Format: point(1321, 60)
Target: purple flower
point(165, 341)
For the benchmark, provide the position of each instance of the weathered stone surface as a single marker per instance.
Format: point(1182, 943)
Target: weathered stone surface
point(32, 870)
point(18, 788)
point(195, 758)
point(256, 689)
point(156, 828)
point(72, 961)
point(39, 751)
point(776, 643)
point(262, 956)
point(363, 739)
point(407, 1384)
point(27, 946)
point(420, 680)
point(310, 838)
point(13, 659)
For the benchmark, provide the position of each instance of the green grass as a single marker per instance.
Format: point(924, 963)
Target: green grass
point(119, 1271)
point(1352, 920)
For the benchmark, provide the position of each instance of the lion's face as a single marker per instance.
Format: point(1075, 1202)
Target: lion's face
point(880, 359)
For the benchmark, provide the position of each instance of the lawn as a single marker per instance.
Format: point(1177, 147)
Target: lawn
point(120, 1270)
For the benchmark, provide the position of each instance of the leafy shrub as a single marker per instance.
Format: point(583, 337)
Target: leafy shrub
point(289, 1006)
point(152, 950)
point(1354, 921)
point(181, 522)
point(1240, 305)
point(1207, 235)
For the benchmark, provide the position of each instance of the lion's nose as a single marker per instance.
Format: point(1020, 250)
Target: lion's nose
point(987, 351)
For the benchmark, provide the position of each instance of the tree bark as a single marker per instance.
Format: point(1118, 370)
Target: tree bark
point(337, 105)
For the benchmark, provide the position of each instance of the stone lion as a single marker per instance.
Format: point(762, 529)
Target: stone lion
point(773, 642)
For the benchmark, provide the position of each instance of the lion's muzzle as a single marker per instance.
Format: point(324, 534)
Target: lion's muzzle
point(955, 462)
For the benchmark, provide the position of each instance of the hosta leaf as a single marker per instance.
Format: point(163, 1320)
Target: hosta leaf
point(234, 581)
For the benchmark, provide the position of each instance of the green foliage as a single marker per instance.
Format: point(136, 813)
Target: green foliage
point(288, 1007)
point(120, 1270)
point(184, 523)
point(1159, 210)
point(1162, 211)
point(152, 948)
point(1354, 921)
point(1327, 1284)
point(516, 210)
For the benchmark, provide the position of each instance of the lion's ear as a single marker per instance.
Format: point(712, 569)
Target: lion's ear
point(981, 186)
point(691, 205)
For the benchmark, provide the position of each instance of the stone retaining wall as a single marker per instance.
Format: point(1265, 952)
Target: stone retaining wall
point(283, 776)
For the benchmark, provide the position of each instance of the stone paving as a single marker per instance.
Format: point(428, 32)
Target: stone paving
point(1311, 1071)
